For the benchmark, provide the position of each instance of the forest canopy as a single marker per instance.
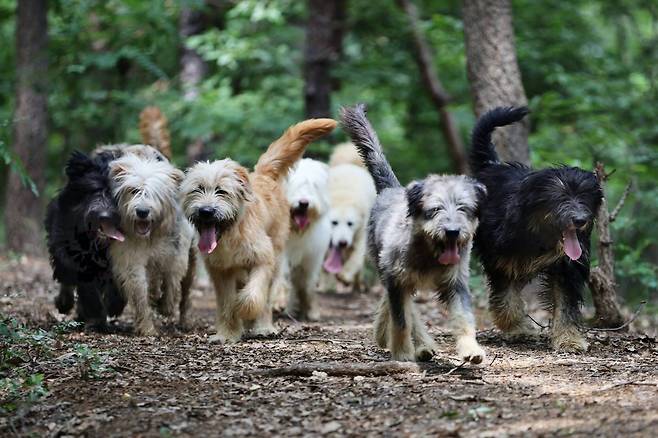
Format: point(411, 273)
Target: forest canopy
point(589, 70)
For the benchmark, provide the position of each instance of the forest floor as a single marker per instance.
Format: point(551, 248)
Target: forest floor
point(178, 384)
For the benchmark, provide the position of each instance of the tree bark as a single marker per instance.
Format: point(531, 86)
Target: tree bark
point(24, 209)
point(324, 32)
point(602, 282)
point(440, 98)
point(493, 71)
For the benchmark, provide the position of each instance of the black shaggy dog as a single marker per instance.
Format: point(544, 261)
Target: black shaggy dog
point(534, 223)
point(80, 223)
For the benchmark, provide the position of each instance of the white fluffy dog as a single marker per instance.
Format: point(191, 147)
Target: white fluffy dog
point(156, 260)
point(351, 196)
point(307, 194)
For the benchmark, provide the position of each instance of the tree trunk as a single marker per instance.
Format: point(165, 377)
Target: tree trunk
point(438, 95)
point(602, 282)
point(324, 32)
point(193, 70)
point(493, 71)
point(24, 209)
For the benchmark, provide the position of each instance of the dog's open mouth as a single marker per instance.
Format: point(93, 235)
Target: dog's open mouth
point(142, 227)
point(300, 218)
point(450, 254)
point(207, 237)
point(107, 229)
point(571, 244)
point(334, 261)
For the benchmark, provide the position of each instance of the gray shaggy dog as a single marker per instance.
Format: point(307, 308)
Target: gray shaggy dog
point(420, 238)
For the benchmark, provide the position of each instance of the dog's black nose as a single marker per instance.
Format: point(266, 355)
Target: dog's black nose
point(342, 243)
point(142, 213)
point(452, 234)
point(206, 212)
point(303, 204)
point(579, 222)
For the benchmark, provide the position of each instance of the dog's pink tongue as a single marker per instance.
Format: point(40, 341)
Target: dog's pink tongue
point(334, 261)
point(111, 231)
point(207, 239)
point(571, 245)
point(301, 220)
point(450, 256)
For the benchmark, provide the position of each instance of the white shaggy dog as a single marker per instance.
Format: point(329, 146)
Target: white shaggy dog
point(309, 234)
point(156, 261)
point(351, 196)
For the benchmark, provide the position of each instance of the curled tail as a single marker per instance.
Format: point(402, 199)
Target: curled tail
point(284, 152)
point(364, 137)
point(154, 130)
point(483, 151)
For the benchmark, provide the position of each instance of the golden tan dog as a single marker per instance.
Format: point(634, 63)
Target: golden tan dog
point(243, 223)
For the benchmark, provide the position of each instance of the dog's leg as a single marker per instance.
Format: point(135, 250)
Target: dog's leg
point(354, 263)
point(382, 322)
point(462, 322)
point(281, 287)
point(302, 302)
point(508, 308)
point(402, 318)
point(566, 287)
point(228, 326)
point(186, 286)
point(133, 280)
point(423, 342)
point(252, 299)
point(91, 308)
point(65, 299)
point(114, 299)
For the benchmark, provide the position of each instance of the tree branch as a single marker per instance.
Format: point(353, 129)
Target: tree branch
point(620, 203)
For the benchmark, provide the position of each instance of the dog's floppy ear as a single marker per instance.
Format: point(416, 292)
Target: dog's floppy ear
point(78, 164)
point(243, 176)
point(415, 198)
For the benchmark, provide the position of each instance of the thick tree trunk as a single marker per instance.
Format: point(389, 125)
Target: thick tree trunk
point(24, 210)
point(324, 31)
point(193, 70)
point(493, 71)
point(438, 95)
point(602, 282)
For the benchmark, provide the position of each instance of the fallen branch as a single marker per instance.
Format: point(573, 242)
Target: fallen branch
point(627, 383)
point(344, 370)
point(533, 320)
point(455, 368)
point(620, 203)
point(624, 325)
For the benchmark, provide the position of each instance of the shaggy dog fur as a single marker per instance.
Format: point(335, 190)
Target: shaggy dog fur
point(420, 238)
point(243, 223)
point(534, 223)
point(306, 191)
point(156, 261)
point(80, 224)
point(352, 194)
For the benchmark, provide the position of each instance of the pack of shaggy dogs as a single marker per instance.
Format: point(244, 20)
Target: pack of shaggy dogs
point(129, 228)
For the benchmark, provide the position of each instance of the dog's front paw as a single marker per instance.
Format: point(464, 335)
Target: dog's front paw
point(522, 331)
point(570, 341)
point(145, 329)
point(424, 353)
point(469, 350)
point(224, 337)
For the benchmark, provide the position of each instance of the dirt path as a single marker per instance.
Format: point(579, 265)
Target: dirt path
point(179, 384)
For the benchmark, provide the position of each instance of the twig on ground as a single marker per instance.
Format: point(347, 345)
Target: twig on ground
point(543, 327)
point(455, 368)
point(493, 360)
point(620, 203)
point(331, 341)
point(340, 369)
point(627, 383)
point(282, 331)
point(624, 325)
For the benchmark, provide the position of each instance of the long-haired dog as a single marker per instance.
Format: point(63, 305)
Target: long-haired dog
point(534, 223)
point(156, 261)
point(420, 237)
point(352, 193)
point(81, 222)
point(306, 192)
point(243, 223)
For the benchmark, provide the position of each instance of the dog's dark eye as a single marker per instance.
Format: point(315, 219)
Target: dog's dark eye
point(220, 192)
point(134, 192)
point(429, 214)
point(350, 223)
point(465, 209)
point(199, 190)
point(334, 223)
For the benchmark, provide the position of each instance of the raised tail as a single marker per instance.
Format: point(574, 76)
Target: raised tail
point(483, 151)
point(364, 137)
point(154, 130)
point(287, 149)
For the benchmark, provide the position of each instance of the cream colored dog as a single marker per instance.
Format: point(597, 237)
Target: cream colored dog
point(351, 196)
point(243, 223)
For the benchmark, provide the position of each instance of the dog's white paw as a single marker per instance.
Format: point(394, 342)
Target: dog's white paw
point(145, 329)
point(470, 351)
point(224, 338)
point(424, 353)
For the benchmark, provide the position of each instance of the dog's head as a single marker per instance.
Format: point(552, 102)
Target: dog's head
point(89, 197)
point(146, 190)
point(306, 191)
point(559, 203)
point(445, 211)
point(214, 196)
point(345, 221)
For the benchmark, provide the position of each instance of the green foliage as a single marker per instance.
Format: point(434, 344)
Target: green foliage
point(91, 364)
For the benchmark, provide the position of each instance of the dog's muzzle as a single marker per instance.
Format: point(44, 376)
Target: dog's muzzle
point(450, 248)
